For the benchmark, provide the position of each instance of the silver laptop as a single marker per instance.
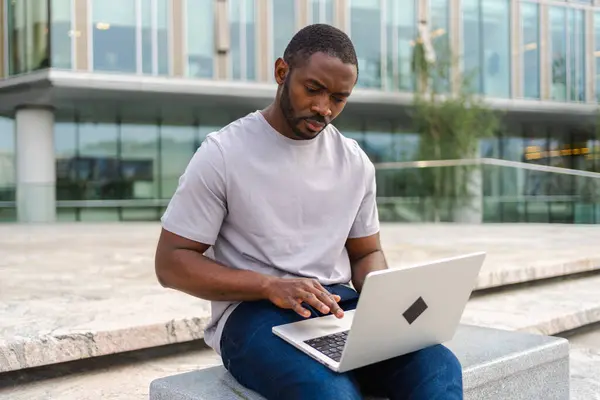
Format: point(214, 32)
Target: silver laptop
point(399, 311)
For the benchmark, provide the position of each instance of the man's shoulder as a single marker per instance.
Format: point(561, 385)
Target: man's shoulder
point(349, 147)
point(233, 134)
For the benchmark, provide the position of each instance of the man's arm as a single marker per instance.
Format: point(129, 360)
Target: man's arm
point(181, 265)
point(365, 255)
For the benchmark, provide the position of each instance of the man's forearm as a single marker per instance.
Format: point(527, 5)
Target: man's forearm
point(195, 274)
point(374, 261)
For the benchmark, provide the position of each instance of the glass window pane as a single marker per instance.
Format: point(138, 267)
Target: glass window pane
point(530, 50)
point(379, 142)
point(139, 161)
point(61, 34)
point(200, 38)
point(147, 36)
point(27, 36)
point(162, 36)
point(576, 31)
point(472, 42)
point(558, 53)
point(597, 52)
point(441, 43)
point(496, 47)
point(284, 26)
point(97, 165)
point(365, 29)
point(321, 11)
point(65, 148)
point(7, 160)
point(114, 35)
point(401, 33)
point(351, 128)
point(243, 41)
point(177, 146)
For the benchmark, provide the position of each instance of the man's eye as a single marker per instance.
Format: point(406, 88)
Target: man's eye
point(311, 90)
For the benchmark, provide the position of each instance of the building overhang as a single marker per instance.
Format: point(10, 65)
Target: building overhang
point(148, 96)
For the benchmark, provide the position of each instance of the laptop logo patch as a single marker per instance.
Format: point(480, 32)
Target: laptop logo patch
point(413, 312)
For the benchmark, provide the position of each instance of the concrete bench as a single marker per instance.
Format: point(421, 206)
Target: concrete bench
point(497, 364)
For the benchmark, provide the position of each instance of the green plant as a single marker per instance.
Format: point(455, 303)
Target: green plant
point(451, 119)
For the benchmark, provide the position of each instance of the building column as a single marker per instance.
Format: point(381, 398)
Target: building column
point(36, 168)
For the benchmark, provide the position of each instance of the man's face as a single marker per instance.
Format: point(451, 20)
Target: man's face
point(314, 93)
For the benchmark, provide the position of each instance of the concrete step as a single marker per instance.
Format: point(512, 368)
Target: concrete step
point(128, 376)
point(75, 291)
point(124, 376)
point(548, 309)
point(496, 365)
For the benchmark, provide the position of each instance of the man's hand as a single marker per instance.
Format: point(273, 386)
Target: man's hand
point(291, 293)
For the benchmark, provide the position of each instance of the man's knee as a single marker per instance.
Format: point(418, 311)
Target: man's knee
point(324, 387)
point(442, 360)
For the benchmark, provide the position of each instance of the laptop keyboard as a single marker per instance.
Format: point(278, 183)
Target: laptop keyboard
point(330, 345)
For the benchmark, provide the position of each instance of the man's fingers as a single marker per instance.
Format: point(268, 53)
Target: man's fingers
point(313, 299)
point(330, 300)
point(297, 307)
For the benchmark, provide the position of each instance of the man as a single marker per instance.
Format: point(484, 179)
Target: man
point(287, 206)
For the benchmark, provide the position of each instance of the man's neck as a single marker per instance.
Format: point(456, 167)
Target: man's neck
point(275, 118)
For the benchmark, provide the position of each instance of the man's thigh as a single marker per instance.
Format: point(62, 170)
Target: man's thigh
point(263, 362)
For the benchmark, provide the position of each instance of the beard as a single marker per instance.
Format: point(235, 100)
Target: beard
point(294, 121)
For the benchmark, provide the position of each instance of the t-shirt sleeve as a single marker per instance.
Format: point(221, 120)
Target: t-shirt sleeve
point(198, 207)
point(366, 222)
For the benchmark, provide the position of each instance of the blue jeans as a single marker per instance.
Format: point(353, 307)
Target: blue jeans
point(263, 362)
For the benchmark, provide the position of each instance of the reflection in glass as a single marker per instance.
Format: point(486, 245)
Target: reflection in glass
point(597, 51)
point(147, 36)
point(321, 11)
point(365, 30)
point(200, 38)
point(114, 35)
point(243, 41)
point(27, 36)
point(7, 160)
point(97, 161)
point(576, 31)
point(487, 45)
point(400, 35)
point(530, 50)
point(440, 28)
point(558, 53)
point(68, 185)
point(61, 33)
point(139, 165)
point(496, 47)
point(284, 26)
point(162, 36)
point(472, 45)
point(177, 144)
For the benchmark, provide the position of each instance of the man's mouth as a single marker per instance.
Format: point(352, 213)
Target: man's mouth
point(314, 126)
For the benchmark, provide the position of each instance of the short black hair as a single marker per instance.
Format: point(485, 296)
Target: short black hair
point(319, 38)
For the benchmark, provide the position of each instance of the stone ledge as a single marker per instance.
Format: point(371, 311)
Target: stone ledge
point(496, 365)
point(24, 353)
point(547, 309)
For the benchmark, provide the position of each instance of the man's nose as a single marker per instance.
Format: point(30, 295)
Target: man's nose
point(322, 106)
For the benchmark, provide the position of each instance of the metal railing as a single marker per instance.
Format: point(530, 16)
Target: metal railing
point(500, 190)
point(485, 161)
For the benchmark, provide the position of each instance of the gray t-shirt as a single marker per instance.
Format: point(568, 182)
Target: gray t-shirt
point(274, 205)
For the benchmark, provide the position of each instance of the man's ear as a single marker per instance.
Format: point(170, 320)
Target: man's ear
point(281, 71)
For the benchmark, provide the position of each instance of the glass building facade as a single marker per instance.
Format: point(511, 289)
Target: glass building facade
point(532, 50)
